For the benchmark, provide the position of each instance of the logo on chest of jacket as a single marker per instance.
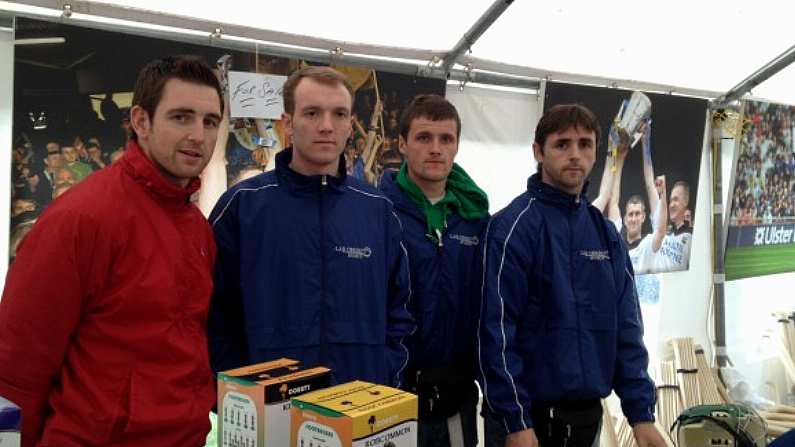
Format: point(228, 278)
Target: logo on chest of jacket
point(595, 255)
point(469, 241)
point(355, 252)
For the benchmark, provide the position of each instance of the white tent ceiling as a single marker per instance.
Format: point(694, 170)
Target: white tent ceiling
point(704, 45)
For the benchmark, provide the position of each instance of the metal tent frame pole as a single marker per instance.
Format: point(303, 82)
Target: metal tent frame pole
point(719, 224)
point(718, 265)
point(473, 34)
point(758, 77)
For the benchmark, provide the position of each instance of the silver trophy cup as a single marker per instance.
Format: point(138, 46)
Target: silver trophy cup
point(632, 114)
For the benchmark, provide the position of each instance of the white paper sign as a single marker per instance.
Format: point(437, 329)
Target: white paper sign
point(255, 95)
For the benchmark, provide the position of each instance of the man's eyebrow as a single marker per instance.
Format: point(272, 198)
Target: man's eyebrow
point(189, 111)
point(181, 110)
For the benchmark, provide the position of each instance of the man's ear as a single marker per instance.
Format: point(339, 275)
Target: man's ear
point(402, 145)
point(140, 121)
point(538, 152)
point(287, 122)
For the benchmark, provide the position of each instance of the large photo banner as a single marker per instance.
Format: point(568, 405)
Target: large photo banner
point(72, 99)
point(646, 173)
point(761, 233)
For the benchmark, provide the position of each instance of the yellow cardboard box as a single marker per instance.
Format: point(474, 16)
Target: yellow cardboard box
point(254, 401)
point(355, 414)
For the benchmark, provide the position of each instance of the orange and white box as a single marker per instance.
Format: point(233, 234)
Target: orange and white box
point(254, 401)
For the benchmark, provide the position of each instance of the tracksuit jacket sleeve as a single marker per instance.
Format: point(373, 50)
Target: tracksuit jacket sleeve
point(51, 283)
point(226, 322)
point(504, 294)
point(399, 323)
point(631, 380)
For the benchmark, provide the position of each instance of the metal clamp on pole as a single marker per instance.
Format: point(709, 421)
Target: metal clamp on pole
point(467, 77)
point(431, 69)
point(336, 54)
point(474, 33)
point(216, 34)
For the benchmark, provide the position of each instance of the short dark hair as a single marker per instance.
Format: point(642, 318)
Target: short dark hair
point(635, 199)
point(324, 75)
point(153, 77)
point(433, 107)
point(564, 116)
point(685, 187)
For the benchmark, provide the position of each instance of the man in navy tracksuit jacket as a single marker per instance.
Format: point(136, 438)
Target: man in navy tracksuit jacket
point(443, 214)
point(310, 261)
point(560, 322)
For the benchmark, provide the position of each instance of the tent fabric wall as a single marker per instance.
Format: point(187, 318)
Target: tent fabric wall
point(751, 330)
point(496, 148)
point(685, 296)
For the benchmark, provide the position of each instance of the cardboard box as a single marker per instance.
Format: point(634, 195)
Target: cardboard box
point(10, 424)
point(254, 401)
point(355, 414)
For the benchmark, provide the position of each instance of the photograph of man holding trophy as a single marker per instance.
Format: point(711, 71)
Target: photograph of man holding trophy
point(645, 193)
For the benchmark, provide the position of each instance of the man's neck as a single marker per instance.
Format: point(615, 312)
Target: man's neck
point(307, 168)
point(571, 191)
point(432, 190)
point(632, 238)
point(312, 170)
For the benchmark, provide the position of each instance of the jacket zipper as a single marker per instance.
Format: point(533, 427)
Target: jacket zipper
point(322, 215)
point(572, 259)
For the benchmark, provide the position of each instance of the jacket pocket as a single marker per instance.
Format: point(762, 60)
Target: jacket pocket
point(357, 350)
point(156, 406)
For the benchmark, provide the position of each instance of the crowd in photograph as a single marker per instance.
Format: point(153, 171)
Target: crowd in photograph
point(47, 162)
point(764, 190)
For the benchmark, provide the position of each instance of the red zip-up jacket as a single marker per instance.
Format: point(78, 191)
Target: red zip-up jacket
point(103, 317)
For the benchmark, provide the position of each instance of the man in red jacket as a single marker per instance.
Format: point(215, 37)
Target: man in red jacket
point(102, 320)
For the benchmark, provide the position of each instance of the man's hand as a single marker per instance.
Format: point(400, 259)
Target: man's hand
point(647, 435)
point(524, 438)
point(618, 142)
point(659, 184)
